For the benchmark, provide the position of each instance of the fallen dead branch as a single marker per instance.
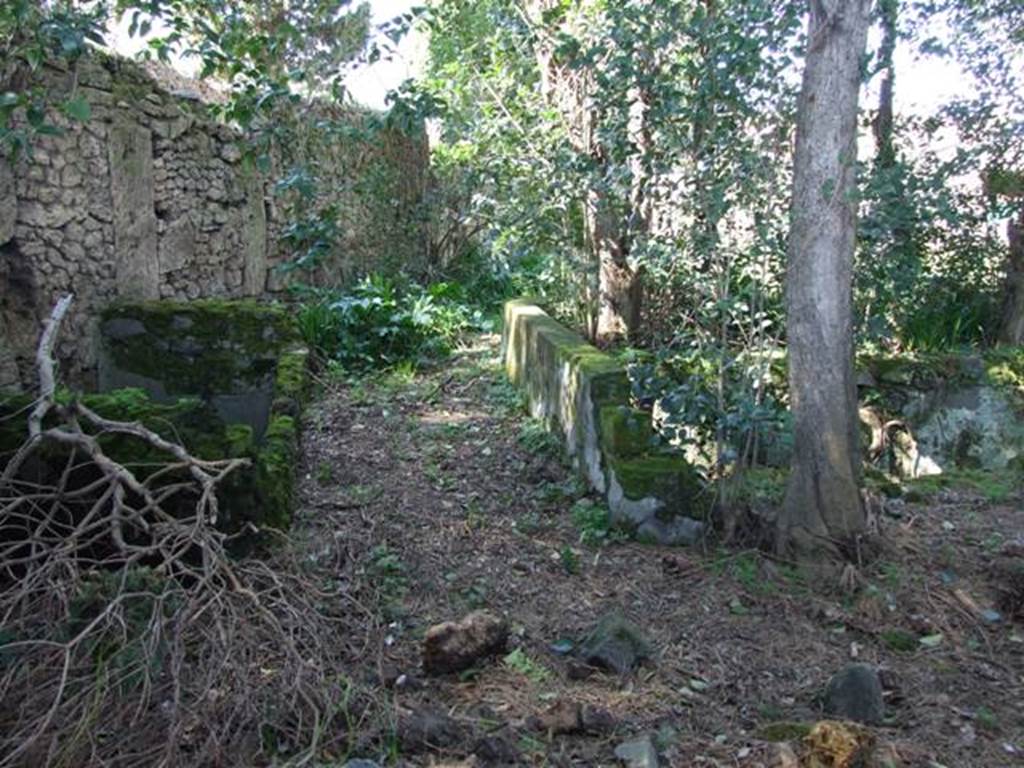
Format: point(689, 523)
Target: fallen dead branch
point(128, 634)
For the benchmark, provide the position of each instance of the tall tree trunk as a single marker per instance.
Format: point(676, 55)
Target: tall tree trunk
point(608, 220)
point(1011, 329)
point(619, 296)
point(885, 148)
point(823, 508)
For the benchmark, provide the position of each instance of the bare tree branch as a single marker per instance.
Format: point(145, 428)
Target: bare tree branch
point(128, 634)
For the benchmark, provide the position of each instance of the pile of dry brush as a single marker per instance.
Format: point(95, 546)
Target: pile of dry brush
point(128, 635)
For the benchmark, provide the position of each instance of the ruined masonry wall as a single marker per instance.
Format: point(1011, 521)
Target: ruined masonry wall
point(150, 198)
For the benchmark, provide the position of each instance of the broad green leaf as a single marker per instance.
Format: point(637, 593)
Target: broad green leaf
point(77, 108)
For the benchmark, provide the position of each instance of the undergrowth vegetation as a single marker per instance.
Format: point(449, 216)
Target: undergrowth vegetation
point(380, 322)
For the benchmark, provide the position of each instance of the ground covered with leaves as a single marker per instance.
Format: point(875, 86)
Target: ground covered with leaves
point(426, 496)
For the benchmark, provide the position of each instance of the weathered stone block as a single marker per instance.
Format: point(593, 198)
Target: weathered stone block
point(260, 494)
point(254, 237)
point(226, 352)
point(131, 191)
point(954, 411)
point(177, 245)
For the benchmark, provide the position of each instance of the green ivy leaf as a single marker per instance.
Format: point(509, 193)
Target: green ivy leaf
point(78, 108)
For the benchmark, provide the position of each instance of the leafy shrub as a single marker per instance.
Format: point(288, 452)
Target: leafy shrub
point(725, 408)
point(381, 323)
point(593, 522)
point(538, 440)
point(948, 316)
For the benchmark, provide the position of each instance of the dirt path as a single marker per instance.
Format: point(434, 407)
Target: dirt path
point(431, 496)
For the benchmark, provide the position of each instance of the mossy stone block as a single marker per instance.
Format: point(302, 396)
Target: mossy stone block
point(616, 644)
point(210, 346)
point(275, 471)
point(585, 393)
point(671, 480)
point(261, 494)
point(626, 432)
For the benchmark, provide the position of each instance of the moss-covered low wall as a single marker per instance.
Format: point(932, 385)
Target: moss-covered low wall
point(584, 395)
point(225, 378)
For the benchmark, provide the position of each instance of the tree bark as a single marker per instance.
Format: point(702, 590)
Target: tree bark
point(608, 221)
point(883, 123)
point(823, 510)
point(1011, 329)
point(618, 311)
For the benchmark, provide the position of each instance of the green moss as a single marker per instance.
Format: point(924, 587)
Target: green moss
point(199, 347)
point(261, 494)
point(239, 438)
point(899, 640)
point(923, 370)
point(625, 431)
point(1005, 369)
point(291, 382)
point(671, 479)
point(292, 375)
point(606, 375)
point(782, 731)
point(995, 486)
point(275, 473)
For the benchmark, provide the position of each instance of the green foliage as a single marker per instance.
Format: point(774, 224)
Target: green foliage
point(31, 33)
point(380, 322)
point(262, 50)
point(535, 438)
point(593, 521)
point(388, 575)
point(519, 661)
point(727, 406)
point(929, 261)
point(569, 559)
point(325, 473)
point(986, 719)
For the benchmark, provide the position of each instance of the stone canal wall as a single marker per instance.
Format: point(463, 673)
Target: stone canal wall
point(583, 395)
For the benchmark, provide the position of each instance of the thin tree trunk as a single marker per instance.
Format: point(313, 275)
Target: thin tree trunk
point(619, 284)
point(883, 123)
point(823, 508)
point(1012, 326)
point(618, 295)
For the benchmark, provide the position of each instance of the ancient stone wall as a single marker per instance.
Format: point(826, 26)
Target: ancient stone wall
point(152, 198)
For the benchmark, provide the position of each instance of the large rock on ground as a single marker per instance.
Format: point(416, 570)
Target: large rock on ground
point(855, 693)
point(640, 753)
point(455, 646)
point(616, 644)
point(428, 731)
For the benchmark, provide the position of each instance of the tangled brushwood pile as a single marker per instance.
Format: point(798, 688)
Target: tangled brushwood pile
point(128, 635)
